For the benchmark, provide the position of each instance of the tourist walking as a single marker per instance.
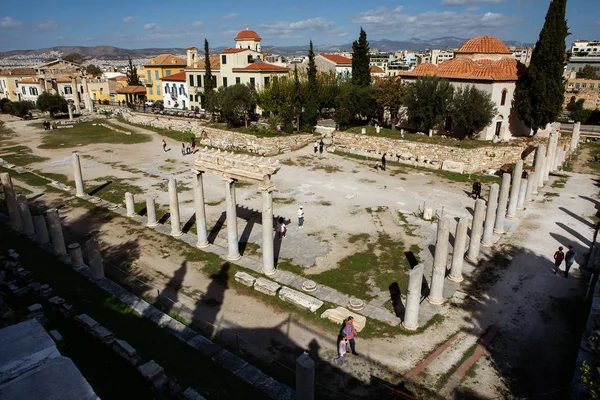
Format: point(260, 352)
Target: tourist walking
point(569, 260)
point(315, 147)
point(342, 349)
point(476, 193)
point(282, 228)
point(164, 144)
point(559, 256)
point(349, 331)
point(193, 145)
point(300, 217)
point(383, 161)
point(188, 148)
point(321, 145)
point(182, 148)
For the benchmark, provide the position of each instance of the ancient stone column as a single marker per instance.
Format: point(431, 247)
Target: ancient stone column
point(522, 193)
point(267, 227)
point(502, 200)
point(575, 136)
point(26, 221)
point(232, 231)
point(151, 212)
point(41, 231)
point(514, 190)
point(130, 204)
point(76, 255)
point(490, 216)
point(174, 208)
point(440, 259)
point(70, 110)
point(549, 157)
point(533, 182)
point(413, 298)
point(538, 160)
point(86, 95)
point(95, 258)
point(305, 377)
point(200, 210)
point(476, 231)
point(77, 176)
point(11, 201)
point(75, 95)
point(542, 173)
point(56, 232)
point(458, 253)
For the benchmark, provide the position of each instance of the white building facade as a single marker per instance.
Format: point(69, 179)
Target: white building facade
point(175, 91)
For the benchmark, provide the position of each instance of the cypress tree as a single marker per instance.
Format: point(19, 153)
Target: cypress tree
point(132, 76)
point(540, 91)
point(361, 74)
point(208, 79)
point(312, 106)
point(297, 98)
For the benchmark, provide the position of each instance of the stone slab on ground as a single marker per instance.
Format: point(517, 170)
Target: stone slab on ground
point(56, 335)
point(339, 314)
point(191, 394)
point(300, 299)
point(87, 322)
point(244, 278)
point(176, 328)
point(204, 345)
point(229, 361)
point(151, 370)
point(104, 334)
point(266, 286)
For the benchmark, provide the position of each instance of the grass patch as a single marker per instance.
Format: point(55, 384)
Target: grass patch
point(550, 195)
point(283, 200)
point(330, 169)
point(27, 177)
point(409, 229)
point(359, 237)
point(114, 192)
point(60, 178)
point(22, 190)
point(286, 265)
point(324, 203)
point(444, 378)
point(560, 182)
point(20, 155)
point(85, 133)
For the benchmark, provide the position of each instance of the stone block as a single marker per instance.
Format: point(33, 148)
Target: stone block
point(266, 286)
point(453, 166)
point(124, 349)
point(104, 334)
point(356, 304)
point(150, 371)
point(56, 300)
point(309, 286)
point(339, 314)
point(56, 336)
point(191, 394)
point(300, 299)
point(87, 322)
point(35, 308)
point(244, 278)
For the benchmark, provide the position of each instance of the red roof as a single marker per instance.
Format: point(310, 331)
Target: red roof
point(178, 77)
point(232, 51)
point(121, 78)
point(132, 89)
point(337, 59)
point(261, 66)
point(504, 69)
point(374, 69)
point(247, 34)
point(483, 44)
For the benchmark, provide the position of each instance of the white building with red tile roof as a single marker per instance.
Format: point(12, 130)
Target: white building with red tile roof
point(326, 63)
point(175, 91)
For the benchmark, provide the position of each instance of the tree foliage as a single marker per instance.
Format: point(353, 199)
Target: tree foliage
point(389, 94)
point(588, 72)
point(132, 76)
point(208, 79)
point(471, 111)
point(361, 74)
point(540, 91)
point(576, 110)
point(235, 103)
point(311, 106)
point(16, 108)
point(92, 69)
point(427, 102)
point(356, 105)
point(52, 103)
point(74, 58)
point(278, 98)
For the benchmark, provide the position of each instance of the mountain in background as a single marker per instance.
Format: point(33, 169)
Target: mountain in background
point(116, 53)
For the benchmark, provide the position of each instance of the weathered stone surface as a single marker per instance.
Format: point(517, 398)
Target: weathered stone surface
point(356, 304)
point(453, 166)
point(87, 322)
point(124, 348)
point(244, 278)
point(151, 370)
point(339, 314)
point(104, 334)
point(300, 299)
point(56, 300)
point(35, 308)
point(56, 335)
point(309, 286)
point(266, 286)
point(191, 394)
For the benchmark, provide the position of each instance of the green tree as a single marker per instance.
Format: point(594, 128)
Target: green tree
point(361, 74)
point(356, 105)
point(235, 103)
point(311, 107)
point(92, 69)
point(208, 79)
point(427, 102)
point(132, 76)
point(278, 99)
point(588, 72)
point(298, 98)
point(52, 103)
point(471, 110)
point(5, 105)
point(389, 94)
point(74, 58)
point(540, 91)
point(20, 108)
point(591, 371)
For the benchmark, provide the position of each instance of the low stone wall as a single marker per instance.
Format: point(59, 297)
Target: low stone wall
point(221, 138)
point(435, 156)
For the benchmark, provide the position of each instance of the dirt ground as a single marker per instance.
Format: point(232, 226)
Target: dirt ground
point(533, 307)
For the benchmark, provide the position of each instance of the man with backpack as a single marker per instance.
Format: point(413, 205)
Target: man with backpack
point(349, 331)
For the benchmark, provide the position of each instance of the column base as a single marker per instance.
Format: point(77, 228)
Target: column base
point(486, 244)
point(534, 193)
point(435, 301)
point(234, 258)
point(511, 217)
point(520, 209)
point(472, 260)
point(410, 327)
point(456, 279)
point(177, 234)
point(202, 245)
point(499, 231)
point(131, 215)
point(268, 272)
point(152, 225)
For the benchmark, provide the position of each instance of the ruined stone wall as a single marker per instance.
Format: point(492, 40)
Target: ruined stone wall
point(221, 138)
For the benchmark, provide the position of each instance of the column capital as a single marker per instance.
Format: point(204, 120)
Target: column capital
point(267, 188)
point(197, 171)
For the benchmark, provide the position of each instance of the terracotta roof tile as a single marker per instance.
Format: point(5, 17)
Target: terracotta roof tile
point(18, 72)
point(166, 60)
point(132, 89)
point(28, 80)
point(337, 59)
point(120, 78)
point(456, 67)
point(483, 44)
point(504, 69)
point(232, 51)
point(424, 69)
point(247, 34)
point(374, 69)
point(178, 77)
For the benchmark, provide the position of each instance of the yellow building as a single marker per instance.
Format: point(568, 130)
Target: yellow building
point(157, 68)
point(9, 79)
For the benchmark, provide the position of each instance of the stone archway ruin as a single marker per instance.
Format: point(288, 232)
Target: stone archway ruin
point(233, 167)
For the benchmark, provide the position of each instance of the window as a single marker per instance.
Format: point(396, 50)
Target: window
point(577, 86)
point(503, 99)
point(33, 91)
point(183, 103)
point(23, 89)
point(199, 80)
point(191, 98)
point(238, 80)
point(249, 58)
point(168, 72)
point(150, 77)
point(191, 80)
point(150, 90)
point(156, 75)
point(252, 82)
point(223, 59)
point(214, 79)
point(167, 88)
point(68, 90)
point(181, 91)
point(266, 81)
point(591, 85)
point(195, 98)
point(583, 85)
point(158, 90)
point(224, 82)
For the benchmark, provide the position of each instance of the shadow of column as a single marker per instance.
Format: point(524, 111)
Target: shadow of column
point(169, 295)
point(214, 232)
point(210, 303)
point(395, 295)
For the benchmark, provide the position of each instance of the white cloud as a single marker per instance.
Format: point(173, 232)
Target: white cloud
point(230, 16)
point(47, 25)
point(197, 24)
point(468, 2)
point(285, 29)
point(128, 20)
point(151, 27)
point(384, 22)
point(8, 22)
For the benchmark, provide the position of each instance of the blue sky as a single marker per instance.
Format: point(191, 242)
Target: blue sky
point(129, 24)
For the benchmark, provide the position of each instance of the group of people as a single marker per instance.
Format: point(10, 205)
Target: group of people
point(381, 163)
point(318, 146)
point(47, 125)
point(345, 338)
point(188, 147)
point(282, 229)
point(560, 256)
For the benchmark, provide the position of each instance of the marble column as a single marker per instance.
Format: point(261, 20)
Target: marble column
point(56, 232)
point(76, 255)
point(130, 204)
point(538, 160)
point(502, 201)
point(542, 173)
point(86, 95)
point(41, 231)
point(26, 220)
point(305, 377)
point(490, 215)
point(267, 227)
point(79, 192)
point(549, 157)
point(413, 298)
point(70, 110)
point(511, 212)
point(440, 259)
point(151, 212)
point(75, 95)
point(174, 208)
point(458, 253)
point(533, 182)
point(95, 259)
point(575, 136)
point(232, 231)
point(200, 210)
point(11, 201)
point(476, 231)
point(522, 193)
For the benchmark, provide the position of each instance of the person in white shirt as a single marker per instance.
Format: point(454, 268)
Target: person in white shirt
point(300, 217)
